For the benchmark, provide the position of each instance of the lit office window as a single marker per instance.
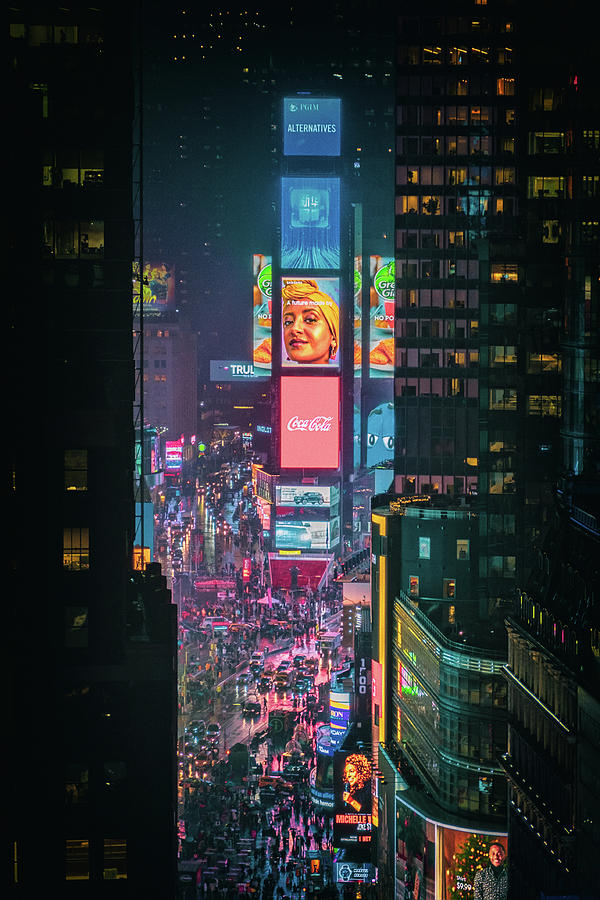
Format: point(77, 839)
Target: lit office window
point(77, 860)
point(115, 859)
point(76, 549)
point(462, 549)
point(76, 470)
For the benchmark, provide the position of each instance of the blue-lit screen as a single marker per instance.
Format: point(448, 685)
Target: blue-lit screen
point(310, 223)
point(311, 126)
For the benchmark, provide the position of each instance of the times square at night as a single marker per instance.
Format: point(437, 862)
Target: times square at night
point(312, 339)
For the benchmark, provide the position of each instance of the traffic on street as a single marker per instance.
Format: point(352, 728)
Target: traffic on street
point(253, 693)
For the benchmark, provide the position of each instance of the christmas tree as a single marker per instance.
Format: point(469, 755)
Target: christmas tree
point(468, 859)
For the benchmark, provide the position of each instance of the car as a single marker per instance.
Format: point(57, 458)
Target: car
point(244, 678)
point(213, 731)
point(282, 681)
point(301, 685)
point(251, 708)
point(284, 666)
point(265, 684)
point(275, 782)
point(196, 727)
point(309, 497)
point(310, 664)
point(298, 660)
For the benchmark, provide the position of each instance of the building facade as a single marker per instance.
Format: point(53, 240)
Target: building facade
point(439, 696)
point(91, 674)
point(553, 759)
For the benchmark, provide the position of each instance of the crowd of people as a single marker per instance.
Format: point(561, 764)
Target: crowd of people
point(237, 834)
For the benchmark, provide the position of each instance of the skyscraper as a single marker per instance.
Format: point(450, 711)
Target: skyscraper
point(91, 675)
point(496, 361)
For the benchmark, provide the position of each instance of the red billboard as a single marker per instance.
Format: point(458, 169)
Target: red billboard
point(310, 422)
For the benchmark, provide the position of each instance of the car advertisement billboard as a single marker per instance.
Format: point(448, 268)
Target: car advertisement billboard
point(307, 496)
point(310, 223)
point(382, 294)
point(311, 126)
point(352, 820)
point(303, 535)
point(261, 312)
point(310, 422)
point(159, 287)
point(310, 322)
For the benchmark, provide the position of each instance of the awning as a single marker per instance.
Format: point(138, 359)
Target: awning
point(310, 570)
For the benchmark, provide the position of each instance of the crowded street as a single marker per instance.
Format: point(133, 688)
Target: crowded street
point(253, 694)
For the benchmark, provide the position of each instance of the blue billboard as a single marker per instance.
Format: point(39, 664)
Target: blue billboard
point(311, 126)
point(310, 223)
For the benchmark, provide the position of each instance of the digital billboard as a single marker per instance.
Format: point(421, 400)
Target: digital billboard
point(261, 312)
point(304, 535)
point(308, 496)
point(173, 457)
point(464, 855)
point(234, 370)
point(380, 435)
point(310, 322)
point(311, 126)
point(159, 287)
point(310, 223)
point(357, 313)
point(310, 422)
point(339, 715)
point(362, 872)
point(352, 820)
point(382, 293)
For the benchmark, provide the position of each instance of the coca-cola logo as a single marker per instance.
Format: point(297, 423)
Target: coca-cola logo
point(317, 423)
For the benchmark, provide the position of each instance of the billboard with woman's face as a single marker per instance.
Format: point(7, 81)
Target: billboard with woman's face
point(310, 322)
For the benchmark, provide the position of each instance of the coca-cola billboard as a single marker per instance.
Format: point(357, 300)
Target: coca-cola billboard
point(310, 423)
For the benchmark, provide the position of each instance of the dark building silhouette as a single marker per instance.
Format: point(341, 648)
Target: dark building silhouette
point(553, 754)
point(91, 681)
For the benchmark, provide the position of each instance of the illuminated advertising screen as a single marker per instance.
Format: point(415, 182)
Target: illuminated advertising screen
point(310, 322)
point(357, 313)
point(234, 370)
point(339, 715)
point(310, 422)
point(306, 496)
point(464, 855)
point(361, 872)
point(363, 688)
point(310, 223)
point(380, 435)
point(311, 126)
point(173, 457)
point(303, 535)
point(352, 820)
point(261, 313)
point(382, 293)
point(159, 287)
